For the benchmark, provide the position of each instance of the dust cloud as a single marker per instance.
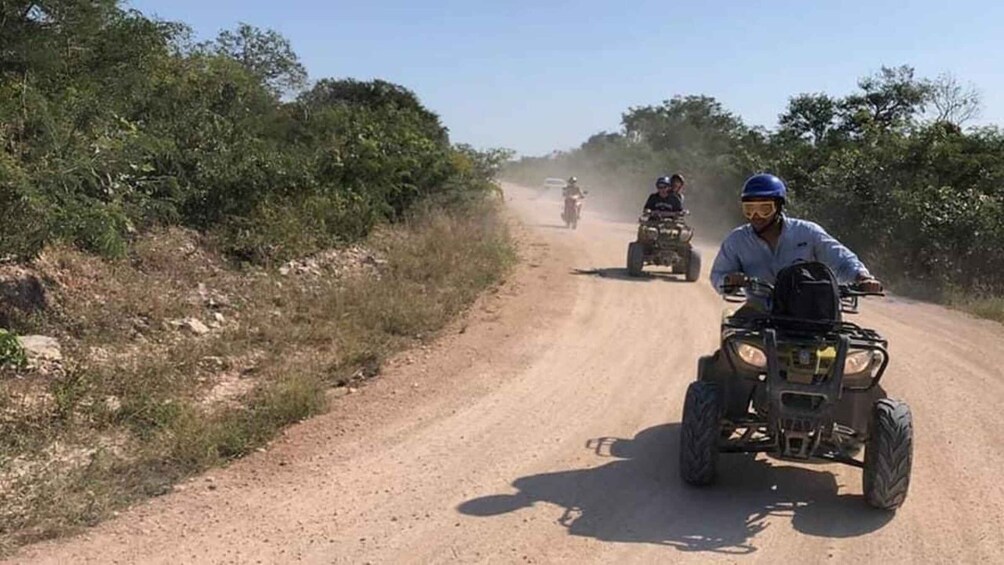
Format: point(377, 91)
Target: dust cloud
point(619, 196)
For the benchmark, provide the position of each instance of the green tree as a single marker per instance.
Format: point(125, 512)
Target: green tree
point(265, 54)
point(375, 94)
point(810, 117)
point(110, 123)
point(889, 99)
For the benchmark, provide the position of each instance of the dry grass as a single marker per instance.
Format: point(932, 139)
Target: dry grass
point(141, 404)
point(980, 303)
point(989, 307)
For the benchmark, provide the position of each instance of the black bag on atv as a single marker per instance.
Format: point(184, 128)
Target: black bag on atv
point(807, 291)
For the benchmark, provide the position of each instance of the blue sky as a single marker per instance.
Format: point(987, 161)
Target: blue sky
point(537, 76)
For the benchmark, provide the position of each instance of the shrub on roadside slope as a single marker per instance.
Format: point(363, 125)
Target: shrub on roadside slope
point(143, 405)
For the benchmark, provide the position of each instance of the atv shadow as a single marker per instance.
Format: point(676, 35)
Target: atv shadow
point(639, 498)
point(620, 273)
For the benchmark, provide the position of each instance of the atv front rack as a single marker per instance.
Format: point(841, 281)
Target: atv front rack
point(752, 435)
point(762, 326)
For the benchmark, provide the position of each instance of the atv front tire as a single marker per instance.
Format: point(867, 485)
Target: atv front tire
point(888, 454)
point(699, 433)
point(635, 259)
point(694, 266)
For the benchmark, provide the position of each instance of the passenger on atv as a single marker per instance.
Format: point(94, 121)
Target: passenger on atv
point(772, 241)
point(668, 196)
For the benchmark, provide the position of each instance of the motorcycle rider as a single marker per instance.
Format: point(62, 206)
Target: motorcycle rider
point(572, 189)
point(573, 195)
point(771, 241)
point(668, 196)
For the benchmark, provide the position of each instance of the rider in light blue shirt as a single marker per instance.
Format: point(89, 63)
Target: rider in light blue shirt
point(772, 241)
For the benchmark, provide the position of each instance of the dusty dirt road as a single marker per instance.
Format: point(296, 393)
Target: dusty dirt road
point(544, 429)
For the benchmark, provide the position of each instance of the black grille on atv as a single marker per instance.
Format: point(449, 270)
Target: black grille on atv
point(799, 437)
point(805, 402)
point(799, 425)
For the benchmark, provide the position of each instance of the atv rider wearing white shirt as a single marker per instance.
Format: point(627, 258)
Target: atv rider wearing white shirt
point(772, 241)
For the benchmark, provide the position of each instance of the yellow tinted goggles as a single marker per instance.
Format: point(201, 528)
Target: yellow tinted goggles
point(763, 209)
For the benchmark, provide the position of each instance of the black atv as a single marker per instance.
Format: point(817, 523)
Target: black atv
point(664, 240)
point(794, 381)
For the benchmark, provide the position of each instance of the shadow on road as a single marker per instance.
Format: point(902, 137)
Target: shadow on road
point(639, 498)
point(562, 227)
point(620, 273)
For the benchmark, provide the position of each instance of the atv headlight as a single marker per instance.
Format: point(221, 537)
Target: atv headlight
point(859, 361)
point(752, 355)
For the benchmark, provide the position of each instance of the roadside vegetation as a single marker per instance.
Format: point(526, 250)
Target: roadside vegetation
point(200, 246)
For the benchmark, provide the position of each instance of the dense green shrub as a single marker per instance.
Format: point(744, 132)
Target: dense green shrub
point(111, 122)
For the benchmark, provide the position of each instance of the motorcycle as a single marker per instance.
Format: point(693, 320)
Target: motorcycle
point(572, 211)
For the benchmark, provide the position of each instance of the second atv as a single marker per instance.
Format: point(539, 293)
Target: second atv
point(664, 240)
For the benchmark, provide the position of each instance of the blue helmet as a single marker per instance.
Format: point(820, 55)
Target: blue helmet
point(764, 186)
point(663, 182)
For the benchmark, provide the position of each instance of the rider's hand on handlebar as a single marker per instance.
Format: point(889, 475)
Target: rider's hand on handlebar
point(735, 280)
point(868, 283)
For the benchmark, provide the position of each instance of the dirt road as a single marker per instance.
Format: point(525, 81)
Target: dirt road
point(544, 429)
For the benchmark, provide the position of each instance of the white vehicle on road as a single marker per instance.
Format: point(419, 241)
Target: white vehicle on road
point(550, 183)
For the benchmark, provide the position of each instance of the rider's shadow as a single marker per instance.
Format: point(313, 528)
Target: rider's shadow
point(638, 498)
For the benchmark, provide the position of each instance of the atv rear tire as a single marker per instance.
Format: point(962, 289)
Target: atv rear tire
point(888, 454)
point(694, 266)
point(635, 259)
point(699, 433)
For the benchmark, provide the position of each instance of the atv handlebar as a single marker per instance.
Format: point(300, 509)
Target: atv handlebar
point(752, 286)
point(657, 215)
point(759, 287)
point(854, 291)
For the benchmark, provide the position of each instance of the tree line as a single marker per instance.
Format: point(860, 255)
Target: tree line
point(113, 123)
point(891, 169)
